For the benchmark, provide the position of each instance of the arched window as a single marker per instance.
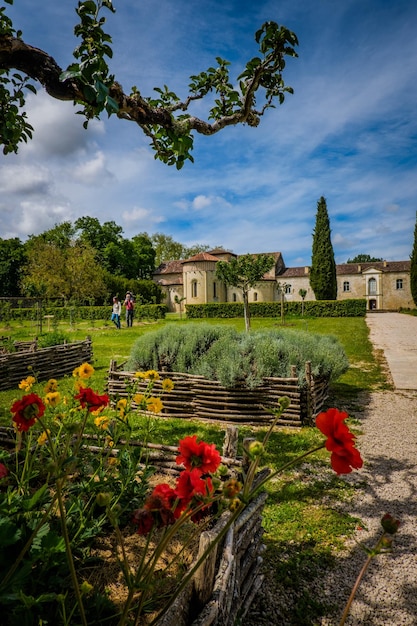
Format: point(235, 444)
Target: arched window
point(346, 285)
point(372, 285)
point(194, 289)
point(287, 288)
point(255, 296)
point(234, 297)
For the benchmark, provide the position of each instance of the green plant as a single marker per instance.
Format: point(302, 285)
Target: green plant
point(54, 338)
point(221, 353)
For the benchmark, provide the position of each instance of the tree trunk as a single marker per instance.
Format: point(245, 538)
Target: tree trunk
point(246, 310)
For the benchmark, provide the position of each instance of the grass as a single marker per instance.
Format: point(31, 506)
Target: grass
point(304, 527)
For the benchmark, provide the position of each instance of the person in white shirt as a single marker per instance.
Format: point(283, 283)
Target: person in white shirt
point(116, 312)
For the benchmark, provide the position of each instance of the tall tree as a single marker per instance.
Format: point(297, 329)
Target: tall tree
point(70, 273)
point(243, 273)
point(323, 267)
point(12, 259)
point(164, 118)
point(413, 269)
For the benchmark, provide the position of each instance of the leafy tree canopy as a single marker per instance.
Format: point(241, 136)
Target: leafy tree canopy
point(364, 258)
point(165, 118)
point(166, 249)
point(243, 273)
point(12, 259)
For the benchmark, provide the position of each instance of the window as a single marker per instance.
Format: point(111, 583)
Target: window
point(399, 283)
point(234, 297)
point(214, 290)
point(194, 289)
point(372, 285)
point(346, 285)
point(287, 288)
point(255, 296)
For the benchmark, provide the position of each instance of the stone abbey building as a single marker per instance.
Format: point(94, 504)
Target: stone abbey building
point(384, 284)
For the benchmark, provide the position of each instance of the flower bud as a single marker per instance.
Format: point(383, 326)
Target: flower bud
point(390, 524)
point(85, 587)
point(234, 505)
point(284, 403)
point(231, 488)
point(103, 499)
point(256, 449)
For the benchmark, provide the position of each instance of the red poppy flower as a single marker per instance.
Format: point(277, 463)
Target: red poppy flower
point(88, 398)
point(27, 411)
point(340, 441)
point(3, 471)
point(162, 497)
point(190, 484)
point(198, 455)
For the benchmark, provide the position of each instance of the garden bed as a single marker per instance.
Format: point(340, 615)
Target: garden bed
point(196, 397)
point(44, 363)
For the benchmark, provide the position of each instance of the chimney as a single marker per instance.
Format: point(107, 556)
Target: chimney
point(359, 268)
point(385, 264)
point(306, 269)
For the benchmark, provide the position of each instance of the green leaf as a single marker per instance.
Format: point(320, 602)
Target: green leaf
point(30, 504)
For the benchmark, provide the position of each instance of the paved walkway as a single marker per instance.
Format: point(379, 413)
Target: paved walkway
point(396, 335)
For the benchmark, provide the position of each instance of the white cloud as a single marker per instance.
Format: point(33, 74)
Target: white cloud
point(93, 170)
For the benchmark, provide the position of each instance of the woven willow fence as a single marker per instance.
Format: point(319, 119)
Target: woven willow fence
point(44, 363)
point(199, 398)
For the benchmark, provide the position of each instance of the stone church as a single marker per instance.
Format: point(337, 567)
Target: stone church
point(384, 284)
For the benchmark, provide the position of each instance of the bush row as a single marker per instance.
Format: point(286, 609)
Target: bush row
point(222, 353)
point(315, 308)
point(76, 313)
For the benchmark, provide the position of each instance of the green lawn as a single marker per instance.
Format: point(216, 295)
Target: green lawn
point(303, 525)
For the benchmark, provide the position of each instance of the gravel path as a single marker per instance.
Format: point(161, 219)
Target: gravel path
point(387, 595)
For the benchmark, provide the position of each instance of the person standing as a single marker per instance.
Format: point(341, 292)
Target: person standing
point(130, 305)
point(116, 312)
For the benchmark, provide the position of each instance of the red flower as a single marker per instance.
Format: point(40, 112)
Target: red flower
point(190, 484)
point(199, 456)
point(340, 441)
point(91, 400)
point(162, 497)
point(144, 521)
point(3, 471)
point(27, 411)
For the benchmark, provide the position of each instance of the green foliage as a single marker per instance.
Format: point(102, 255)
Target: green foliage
point(163, 118)
point(413, 268)
point(364, 258)
point(221, 353)
point(323, 267)
point(74, 312)
point(331, 308)
point(54, 338)
point(243, 273)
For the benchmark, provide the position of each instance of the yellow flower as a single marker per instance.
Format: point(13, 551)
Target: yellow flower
point(43, 438)
point(140, 375)
point(51, 385)
point(76, 372)
point(27, 383)
point(151, 375)
point(140, 400)
point(112, 461)
point(102, 422)
point(154, 404)
point(121, 406)
point(167, 384)
point(53, 398)
point(78, 385)
point(85, 370)
point(109, 442)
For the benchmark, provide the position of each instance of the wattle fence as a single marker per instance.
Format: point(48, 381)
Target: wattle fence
point(196, 397)
point(44, 363)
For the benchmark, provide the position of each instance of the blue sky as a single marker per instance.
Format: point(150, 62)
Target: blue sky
point(349, 132)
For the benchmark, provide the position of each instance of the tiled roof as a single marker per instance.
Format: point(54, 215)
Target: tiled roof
point(345, 269)
point(201, 256)
point(169, 267)
point(172, 280)
point(219, 251)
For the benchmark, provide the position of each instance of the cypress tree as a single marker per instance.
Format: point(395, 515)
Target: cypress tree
point(323, 267)
point(413, 268)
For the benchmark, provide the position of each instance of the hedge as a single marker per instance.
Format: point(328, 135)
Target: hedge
point(315, 308)
point(76, 313)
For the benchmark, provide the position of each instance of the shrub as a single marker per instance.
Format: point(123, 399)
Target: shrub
point(221, 353)
point(331, 308)
point(54, 338)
